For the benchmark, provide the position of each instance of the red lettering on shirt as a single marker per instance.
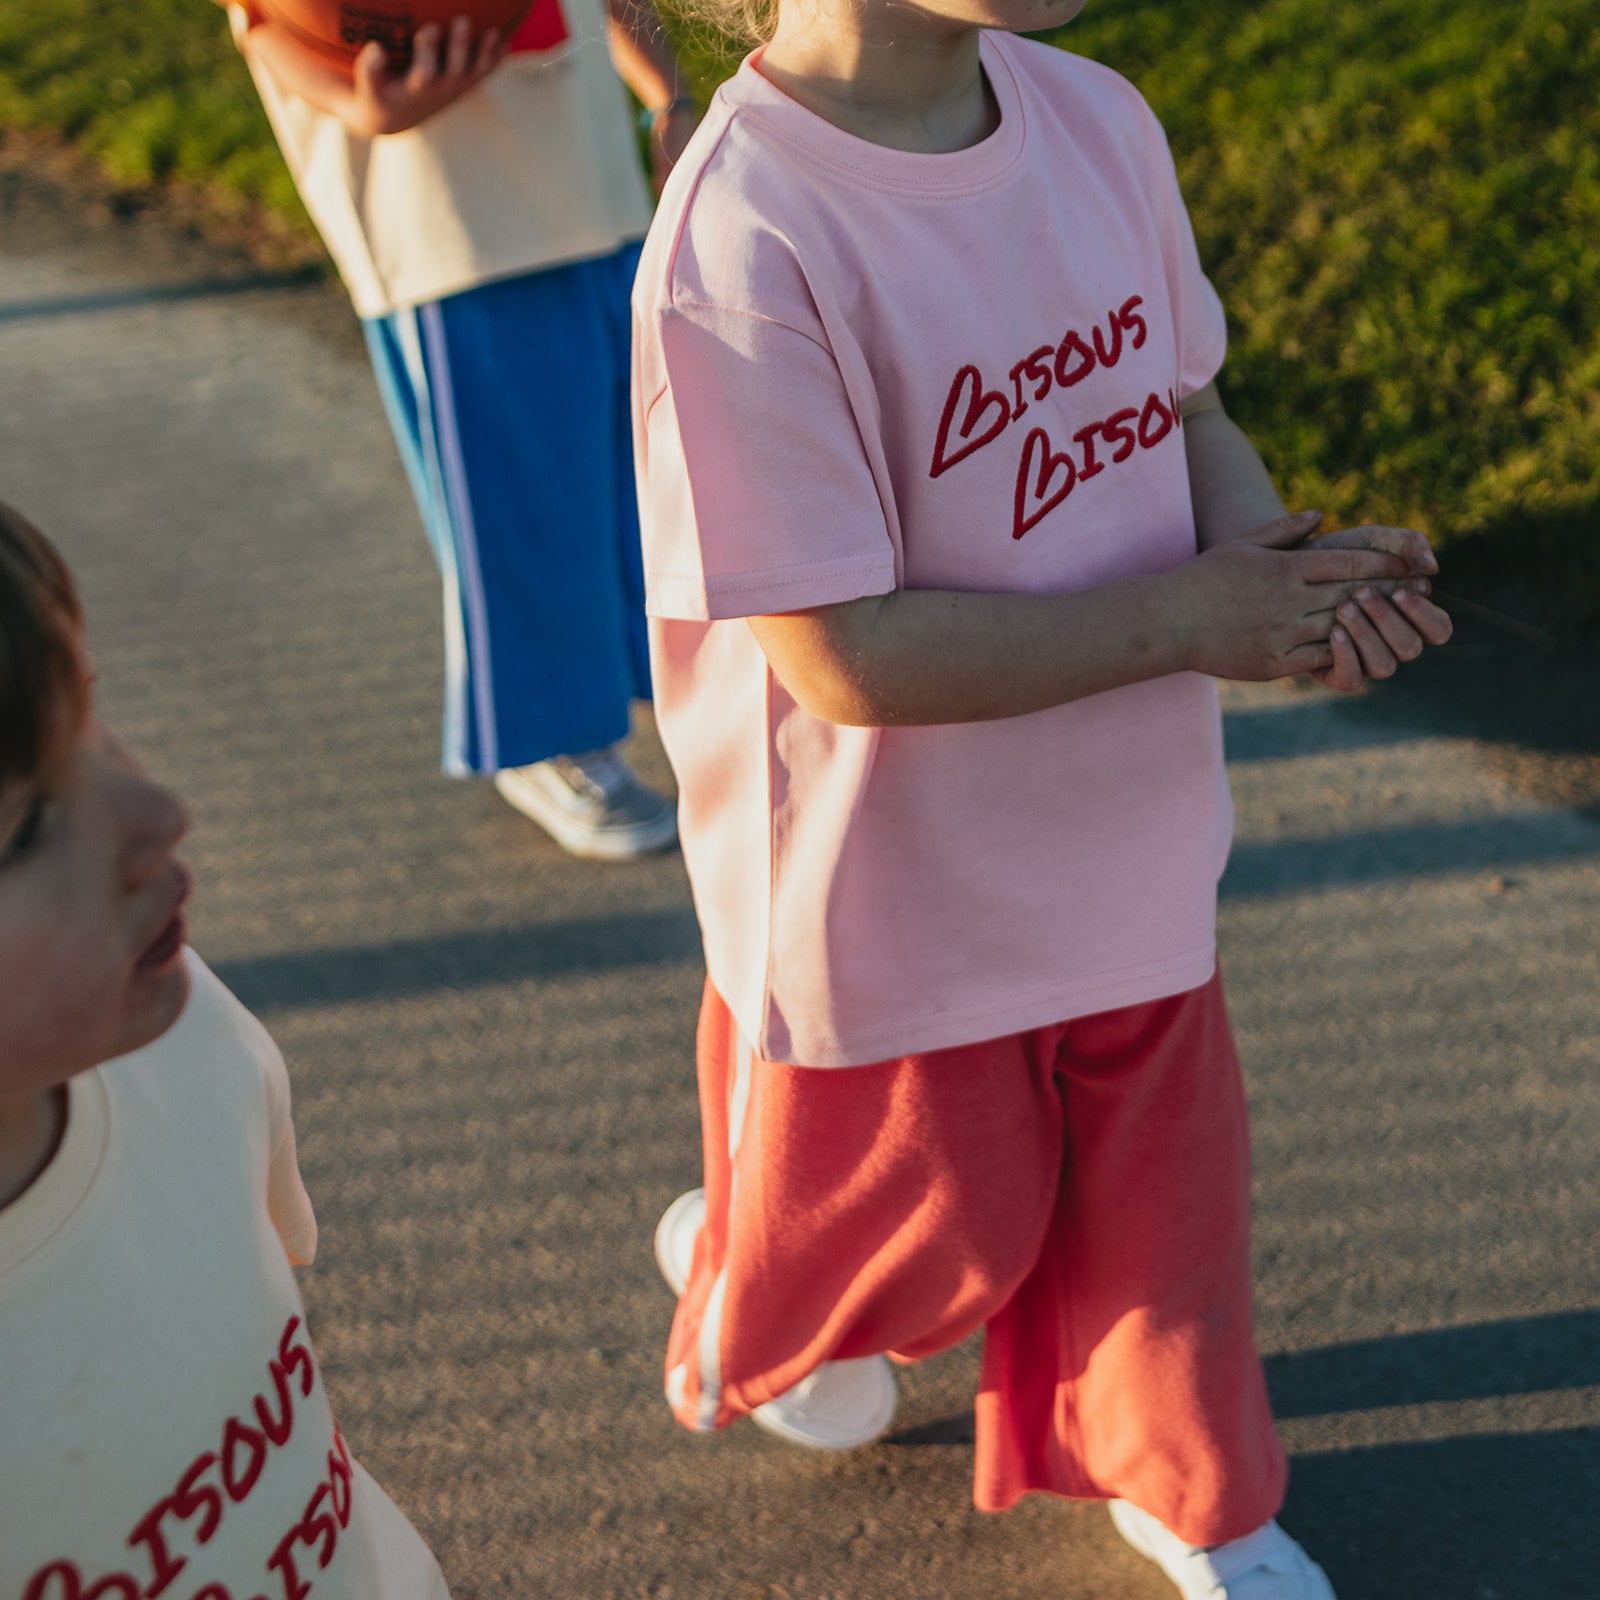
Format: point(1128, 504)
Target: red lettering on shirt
point(1132, 321)
point(1073, 348)
point(296, 1355)
point(1152, 432)
point(1115, 432)
point(979, 402)
point(281, 1561)
point(1109, 358)
point(974, 416)
point(1038, 494)
point(341, 1475)
point(191, 1497)
point(1020, 405)
point(1037, 367)
point(1085, 437)
point(148, 1533)
point(277, 1429)
point(1033, 482)
point(318, 1525)
point(61, 1580)
point(198, 1497)
point(237, 1480)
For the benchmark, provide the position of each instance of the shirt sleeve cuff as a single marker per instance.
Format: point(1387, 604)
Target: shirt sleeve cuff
point(758, 594)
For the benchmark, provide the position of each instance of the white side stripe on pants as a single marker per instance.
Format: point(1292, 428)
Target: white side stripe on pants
point(709, 1344)
point(447, 439)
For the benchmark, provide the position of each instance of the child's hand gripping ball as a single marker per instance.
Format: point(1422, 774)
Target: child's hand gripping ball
point(338, 30)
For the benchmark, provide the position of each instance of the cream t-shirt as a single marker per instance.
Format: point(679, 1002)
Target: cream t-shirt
point(859, 370)
point(534, 167)
point(164, 1430)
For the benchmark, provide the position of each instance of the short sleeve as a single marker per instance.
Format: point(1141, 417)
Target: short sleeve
point(757, 492)
point(1202, 326)
point(288, 1204)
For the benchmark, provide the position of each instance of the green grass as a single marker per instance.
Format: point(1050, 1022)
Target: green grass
point(1398, 199)
point(152, 89)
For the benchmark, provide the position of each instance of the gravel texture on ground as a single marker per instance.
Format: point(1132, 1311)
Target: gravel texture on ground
point(491, 1042)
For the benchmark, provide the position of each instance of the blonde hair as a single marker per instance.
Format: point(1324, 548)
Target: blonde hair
point(722, 30)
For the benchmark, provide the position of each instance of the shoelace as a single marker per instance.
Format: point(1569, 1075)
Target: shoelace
point(597, 773)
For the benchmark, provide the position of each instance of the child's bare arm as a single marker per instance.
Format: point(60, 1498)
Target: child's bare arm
point(374, 100)
point(1228, 481)
point(647, 61)
point(1253, 607)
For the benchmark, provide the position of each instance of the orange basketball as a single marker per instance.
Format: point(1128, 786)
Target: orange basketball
point(338, 29)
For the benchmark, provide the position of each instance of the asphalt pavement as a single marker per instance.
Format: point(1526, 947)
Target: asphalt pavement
point(491, 1042)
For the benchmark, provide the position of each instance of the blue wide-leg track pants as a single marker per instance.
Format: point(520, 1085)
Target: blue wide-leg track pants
point(510, 406)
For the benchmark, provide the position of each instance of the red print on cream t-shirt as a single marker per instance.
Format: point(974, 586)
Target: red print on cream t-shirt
point(861, 369)
point(164, 1429)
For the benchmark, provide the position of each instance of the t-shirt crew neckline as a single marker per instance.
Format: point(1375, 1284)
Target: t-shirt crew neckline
point(53, 1199)
point(909, 171)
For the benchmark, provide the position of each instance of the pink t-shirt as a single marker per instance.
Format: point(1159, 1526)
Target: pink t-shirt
point(859, 369)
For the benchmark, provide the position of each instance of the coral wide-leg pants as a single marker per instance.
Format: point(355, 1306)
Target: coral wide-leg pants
point(1081, 1192)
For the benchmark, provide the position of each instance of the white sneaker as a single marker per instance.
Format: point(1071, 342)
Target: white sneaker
point(676, 1233)
point(1264, 1565)
point(591, 805)
point(840, 1406)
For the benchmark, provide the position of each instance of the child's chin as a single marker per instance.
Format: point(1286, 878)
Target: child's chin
point(163, 995)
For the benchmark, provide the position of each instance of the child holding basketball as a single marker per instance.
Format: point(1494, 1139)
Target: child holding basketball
point(484, 205)
point(164, 1429)
point(947, 536)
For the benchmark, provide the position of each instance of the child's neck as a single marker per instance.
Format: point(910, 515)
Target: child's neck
point(890, 74)
point(31, 1127)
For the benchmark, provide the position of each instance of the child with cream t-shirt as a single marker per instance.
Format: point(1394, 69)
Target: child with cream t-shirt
point(947, 537)
point(484, 206)
point(164, 1428)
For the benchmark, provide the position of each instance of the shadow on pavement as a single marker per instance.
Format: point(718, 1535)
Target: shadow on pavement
point(1481, 1517)
point(1500, 691)
point(1492, 1517)
point(75, 305)
point(1520, 1356)
point(1479, 844)
point(463, 960)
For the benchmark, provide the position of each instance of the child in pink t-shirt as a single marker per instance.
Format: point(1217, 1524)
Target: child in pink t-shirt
point(947, 537)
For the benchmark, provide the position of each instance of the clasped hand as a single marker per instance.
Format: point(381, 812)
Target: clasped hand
point(1342, 607)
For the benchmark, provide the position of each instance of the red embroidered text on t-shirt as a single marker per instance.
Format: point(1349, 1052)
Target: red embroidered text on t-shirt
point(974, 416)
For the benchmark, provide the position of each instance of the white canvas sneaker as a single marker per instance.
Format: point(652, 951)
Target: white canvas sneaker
point(840, 1406)
point(1264, 1565)
point(591, 804)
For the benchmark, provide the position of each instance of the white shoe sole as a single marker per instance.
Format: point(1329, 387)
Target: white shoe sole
point(579, 839)
point(869, 1380)
point(678, 1215)
point(870, 1405)
point(1160, 1545)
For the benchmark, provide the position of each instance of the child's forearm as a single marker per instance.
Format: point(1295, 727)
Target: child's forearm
point(1255, 607)
point(643, 54)
point(1228, 480)
point(922, 656)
